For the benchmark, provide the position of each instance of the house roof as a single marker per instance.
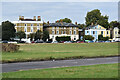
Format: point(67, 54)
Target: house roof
point(60, 24)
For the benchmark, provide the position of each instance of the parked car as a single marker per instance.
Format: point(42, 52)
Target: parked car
point(80, 41)
point(21, 41)
point(100, 41)
point(32, 41)
point(39, 41)
point(107, 41)
point(48, 42)
point(4, 41)
point(55, 42)
point(13, 42)
point(90, 41)
point(67, 42)
point(62, 41)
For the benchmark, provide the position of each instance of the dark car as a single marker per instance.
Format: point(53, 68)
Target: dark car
point(38, 41)
point(21, 41)
point(48, 42)
point(4, 41)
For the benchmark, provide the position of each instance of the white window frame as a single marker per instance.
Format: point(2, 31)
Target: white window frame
point(74, 31)
point(57, 31)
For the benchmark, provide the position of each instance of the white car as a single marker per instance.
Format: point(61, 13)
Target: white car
point(55, 42)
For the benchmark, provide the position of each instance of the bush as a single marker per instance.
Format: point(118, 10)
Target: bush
point(10, 47)
point(88, 37)
point(63, 38)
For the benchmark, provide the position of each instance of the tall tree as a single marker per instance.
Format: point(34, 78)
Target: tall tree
point(31, 36)
point(64, 20)
point(45, 35)
point(38, 35)
point(20, 35)
point(114, 24)
point(8, 30)
point(94, 17)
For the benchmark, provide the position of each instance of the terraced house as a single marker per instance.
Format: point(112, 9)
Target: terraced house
point(62, 29)
point(97, 30)
point(28, 25)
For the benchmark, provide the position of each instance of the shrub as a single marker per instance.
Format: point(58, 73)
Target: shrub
point(88, 37)
point(63, 38)
point(10, 47)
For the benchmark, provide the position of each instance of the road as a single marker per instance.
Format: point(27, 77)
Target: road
point(11, 67)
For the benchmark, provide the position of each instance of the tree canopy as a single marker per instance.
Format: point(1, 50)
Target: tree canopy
point(8, 30)
point(94, 17)
point(38, 35)
point(65, 20)
point(20, 34)
point(45, 35)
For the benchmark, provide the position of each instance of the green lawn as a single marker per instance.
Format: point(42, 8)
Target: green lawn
point(47, 51)
point(91, 71)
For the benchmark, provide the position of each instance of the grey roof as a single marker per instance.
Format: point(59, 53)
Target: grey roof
point(60, 24)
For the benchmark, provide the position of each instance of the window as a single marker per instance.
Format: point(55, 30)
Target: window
point(57, 32)
point(64, 32)
point(31, 29)
point(37, 24)
point(61, 32)
point(53, 32)
point(25, 24)
point(101, 32)
point(74, 37)
point(31, 24)
point(107, 32)
point(64, 27)
point(74, 32)
point(70, 32)
point(100, 27)
point(52, 27)
point(70, 27)
point(57, 27)
point(93, 32)
point(61, 27)
point(74, 27)
point(87, 31)
point(115, 32)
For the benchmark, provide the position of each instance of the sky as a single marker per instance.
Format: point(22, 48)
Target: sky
point(52, 11)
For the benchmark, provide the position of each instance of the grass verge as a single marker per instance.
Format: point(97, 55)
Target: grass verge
point(91, 71)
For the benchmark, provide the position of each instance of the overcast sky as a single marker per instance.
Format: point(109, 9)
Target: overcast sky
point(52, 11)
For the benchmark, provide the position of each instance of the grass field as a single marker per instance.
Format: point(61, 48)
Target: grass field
point(49, 51)
point(91, 71)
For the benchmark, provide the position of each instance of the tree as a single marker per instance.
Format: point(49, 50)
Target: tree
point(64, 20)
point(81, 26)
point(95, 17)
point(100, 37)
point(45, 35)
point(20, 35)
point(88, 37)
point(31, 36)
point(8, 30)
point(114, 24)
point(38, 35)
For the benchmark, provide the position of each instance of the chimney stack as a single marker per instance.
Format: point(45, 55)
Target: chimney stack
point(22, 18)
point(19, 17)
point(34, 18)
point(57, 21)
point(76, 23)
point(39, 18)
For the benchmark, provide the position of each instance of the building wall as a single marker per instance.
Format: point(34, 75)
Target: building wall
point(99, 30)
point(61, 31)
point(28, 26)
